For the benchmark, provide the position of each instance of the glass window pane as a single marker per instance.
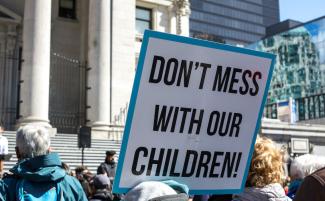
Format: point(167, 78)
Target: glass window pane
point(141, 26)
point(143, 14)
point(67, 9)
point(66, 4)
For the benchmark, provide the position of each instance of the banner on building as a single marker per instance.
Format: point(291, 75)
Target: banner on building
point(194, 114)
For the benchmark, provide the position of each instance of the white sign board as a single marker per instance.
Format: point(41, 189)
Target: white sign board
point(194, 114)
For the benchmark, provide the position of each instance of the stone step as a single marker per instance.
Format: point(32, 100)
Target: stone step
point(98, 149)
point(67, 147)
point(12, 141)
point(72, 165)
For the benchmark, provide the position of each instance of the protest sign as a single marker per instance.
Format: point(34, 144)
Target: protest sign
point(194, 114)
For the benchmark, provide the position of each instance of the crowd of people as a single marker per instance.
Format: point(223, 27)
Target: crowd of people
point(41, 175)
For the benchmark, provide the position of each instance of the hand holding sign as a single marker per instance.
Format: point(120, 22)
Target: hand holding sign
point(194, 114)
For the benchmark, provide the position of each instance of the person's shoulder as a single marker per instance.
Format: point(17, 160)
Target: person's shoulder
point(9, 179)
point(319, 175)
point(102, 164)
point(312, 187)
point(72, 186)
point(70, 180)
point(71, 183)
point(8, 187)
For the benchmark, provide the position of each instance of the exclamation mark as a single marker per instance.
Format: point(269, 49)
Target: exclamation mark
point(237, 164)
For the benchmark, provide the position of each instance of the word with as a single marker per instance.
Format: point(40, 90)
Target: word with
point(166, 118)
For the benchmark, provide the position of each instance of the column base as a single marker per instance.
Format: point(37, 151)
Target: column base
point(99, 134)
point(38, 121)
point(100, 130)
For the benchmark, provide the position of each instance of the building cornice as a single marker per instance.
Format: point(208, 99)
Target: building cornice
point(297, 130)
point(157, 2)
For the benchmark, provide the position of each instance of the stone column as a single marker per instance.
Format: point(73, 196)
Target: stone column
point(83, 19)
point(36, 62)
point(183, 11)
point(172, 19)
point(98, 95)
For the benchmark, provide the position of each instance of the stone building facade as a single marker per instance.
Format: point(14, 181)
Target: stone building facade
point(73, 61)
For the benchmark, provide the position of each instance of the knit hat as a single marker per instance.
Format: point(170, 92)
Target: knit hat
point(178, 187)
point(101, 181)
point(154, 191)
point(177, 197)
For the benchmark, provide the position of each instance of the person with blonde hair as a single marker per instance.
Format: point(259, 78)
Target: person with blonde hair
point(265, 175)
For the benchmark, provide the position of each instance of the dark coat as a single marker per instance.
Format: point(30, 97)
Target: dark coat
point(102, 195)
point(312, 188)
point(107, 168)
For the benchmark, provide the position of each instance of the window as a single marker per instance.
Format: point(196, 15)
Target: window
point(143, 19)
point(67, 9)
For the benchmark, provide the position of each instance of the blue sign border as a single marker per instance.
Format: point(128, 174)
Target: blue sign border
point(153, 34)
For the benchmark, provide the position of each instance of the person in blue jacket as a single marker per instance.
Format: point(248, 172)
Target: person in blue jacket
point(38, 173)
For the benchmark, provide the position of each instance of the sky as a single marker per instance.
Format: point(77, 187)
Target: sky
point(301, 10)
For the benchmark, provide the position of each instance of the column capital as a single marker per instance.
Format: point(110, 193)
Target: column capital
point(182, 7)
point(183, 11)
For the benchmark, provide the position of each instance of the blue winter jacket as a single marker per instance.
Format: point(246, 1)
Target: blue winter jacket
point(42, 169)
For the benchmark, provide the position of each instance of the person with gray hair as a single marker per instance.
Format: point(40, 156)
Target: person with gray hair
point(301, 167)
point(32, 141)
point(38, 173)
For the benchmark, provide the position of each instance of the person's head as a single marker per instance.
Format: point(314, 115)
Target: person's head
point(81, 169)
point(154, 191)
point(110, 156)
point(304, 165)
point(32, 140)
point(101, 181)
point(66, 168)
point(266, 165)
point(296, 170)
point(80, 172)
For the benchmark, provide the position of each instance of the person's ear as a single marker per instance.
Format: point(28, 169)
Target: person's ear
point(50, 150)
point(17, 153)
